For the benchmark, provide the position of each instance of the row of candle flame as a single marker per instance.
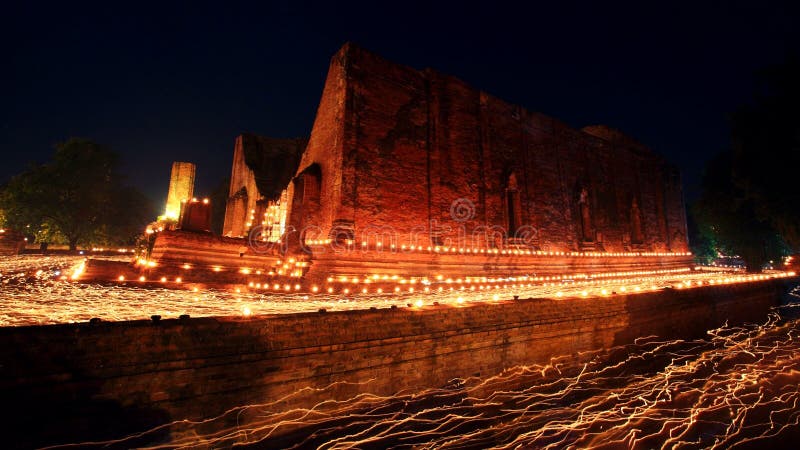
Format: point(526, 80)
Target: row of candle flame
point(379, 246)
point(607, 283)
point(293, 267)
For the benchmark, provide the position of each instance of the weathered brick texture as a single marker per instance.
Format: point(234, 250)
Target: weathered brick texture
point(395, 147)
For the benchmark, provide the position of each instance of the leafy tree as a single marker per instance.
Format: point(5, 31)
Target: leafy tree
point(78, 196)
point(750, 202)
point(702, 238)
point(730, 216)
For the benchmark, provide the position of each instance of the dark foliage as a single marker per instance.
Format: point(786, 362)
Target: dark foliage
point(77, 198)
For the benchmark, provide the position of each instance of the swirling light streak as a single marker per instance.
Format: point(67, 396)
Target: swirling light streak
point(736, 388)
point(32, 293)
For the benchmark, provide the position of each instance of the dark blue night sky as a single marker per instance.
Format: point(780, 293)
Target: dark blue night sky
point(169, 81)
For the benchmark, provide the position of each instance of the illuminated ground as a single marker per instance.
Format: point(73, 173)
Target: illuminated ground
point(32, 294)
point(737, 387)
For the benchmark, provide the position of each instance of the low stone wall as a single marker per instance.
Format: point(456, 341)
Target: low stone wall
point(77, 381)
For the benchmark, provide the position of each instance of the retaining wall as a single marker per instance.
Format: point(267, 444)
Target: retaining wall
point(74, 381)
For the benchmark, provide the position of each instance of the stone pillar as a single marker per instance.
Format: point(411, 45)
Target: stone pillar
point(181, 188)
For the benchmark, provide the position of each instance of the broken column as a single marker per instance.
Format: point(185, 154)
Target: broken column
point(181, 188)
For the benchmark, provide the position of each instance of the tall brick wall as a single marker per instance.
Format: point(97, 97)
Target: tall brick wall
point(397, 147)
point(325, 147)
point(94, 380)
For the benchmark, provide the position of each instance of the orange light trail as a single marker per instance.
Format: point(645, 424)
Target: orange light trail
point(34, 294)
point(736, 388)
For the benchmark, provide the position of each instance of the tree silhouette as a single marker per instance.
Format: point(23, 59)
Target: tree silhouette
point(766, 150)
point(750, 202)
point(731, 217)
point(78, 196)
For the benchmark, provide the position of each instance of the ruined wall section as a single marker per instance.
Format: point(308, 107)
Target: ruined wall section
point(676, 213)
point(549, 189)
point(385, 155)
point(626, 176)
point(262, 168)
point(325, 151)
point(459, 160)
point(655, 184)
point(242, 195)
point(401, 150)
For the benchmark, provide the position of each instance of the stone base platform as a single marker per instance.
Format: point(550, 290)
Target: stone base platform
point(326, 263)
point(189, 257)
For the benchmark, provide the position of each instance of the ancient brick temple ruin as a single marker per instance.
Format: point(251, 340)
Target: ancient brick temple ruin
point(262, 168)
point(419, 173)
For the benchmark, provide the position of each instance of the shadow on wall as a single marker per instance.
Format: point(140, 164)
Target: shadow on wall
point(34, 421)
point(690, 319)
